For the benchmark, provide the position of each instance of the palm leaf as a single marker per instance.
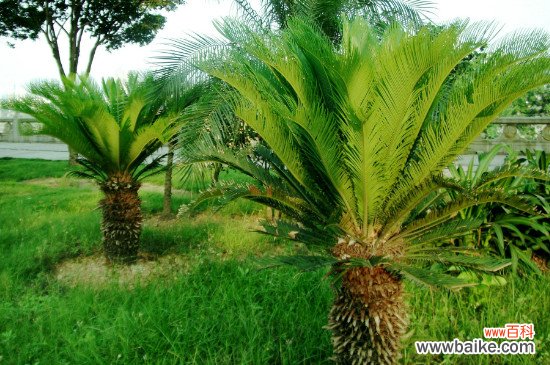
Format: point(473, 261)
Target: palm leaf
point(429, 278)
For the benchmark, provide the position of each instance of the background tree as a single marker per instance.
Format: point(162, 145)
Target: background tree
point(536, 103)
point(358, 136)
point(115, 128)
point(108, 23)
point(275, 14)
point(178, 101)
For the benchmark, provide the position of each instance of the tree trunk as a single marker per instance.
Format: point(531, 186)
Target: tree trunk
point(167, 199)
point(216, 174)
point(73, 155)
point(368, 316)
point(122, 219)
point(92, 56)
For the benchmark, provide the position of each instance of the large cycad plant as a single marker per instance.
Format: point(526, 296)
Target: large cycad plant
point(356, 138)
point(115, 127)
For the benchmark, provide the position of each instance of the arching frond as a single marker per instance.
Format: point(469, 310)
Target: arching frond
point(114, 127)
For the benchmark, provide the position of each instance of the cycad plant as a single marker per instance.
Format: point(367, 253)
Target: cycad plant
point(115, 127)
point(506, 232)
point(356, 138)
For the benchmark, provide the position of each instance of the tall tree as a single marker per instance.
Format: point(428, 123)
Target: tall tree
point(327, 14)
point(358, 136)
point(66, 22)
point(177, 101)
point(115, 128)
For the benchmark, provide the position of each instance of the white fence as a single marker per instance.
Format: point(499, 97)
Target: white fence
point(520, 133)
point(14, 125)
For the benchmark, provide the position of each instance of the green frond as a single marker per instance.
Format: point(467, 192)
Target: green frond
point(522, 259)
point(300, 262)
point(472, 261)
point(318, 237)
point(418, 198)
point(150, 168)
point(504, 172)
point(315, 262)
point(450, 210)
point(428, 278)
point(91, 170)
point(176, 65)
point(445, 231)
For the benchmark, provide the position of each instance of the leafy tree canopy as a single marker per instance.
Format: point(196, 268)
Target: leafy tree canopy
point(535, 103)
point(110, 23)
point(327, 14)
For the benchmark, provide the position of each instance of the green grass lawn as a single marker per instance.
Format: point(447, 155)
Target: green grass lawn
point(220, 310)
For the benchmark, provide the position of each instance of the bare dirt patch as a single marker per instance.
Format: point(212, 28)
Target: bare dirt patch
point(55, 182)
point(145, 186)
point(94, 271)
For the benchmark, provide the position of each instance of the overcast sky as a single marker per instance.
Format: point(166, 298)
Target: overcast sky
point(31, 60)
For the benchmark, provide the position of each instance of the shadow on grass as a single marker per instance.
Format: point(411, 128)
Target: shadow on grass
point(178, 237)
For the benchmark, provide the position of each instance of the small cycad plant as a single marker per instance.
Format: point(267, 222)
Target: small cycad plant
point(115, 127)
point(505, 231)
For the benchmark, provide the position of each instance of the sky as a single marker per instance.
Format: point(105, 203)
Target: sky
point(32, 60)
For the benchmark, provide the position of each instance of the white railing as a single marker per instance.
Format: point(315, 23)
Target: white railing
point(520, 133)
point(14, 125)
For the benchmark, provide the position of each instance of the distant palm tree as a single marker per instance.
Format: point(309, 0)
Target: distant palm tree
point(177, 100)
point(356, 138)
point(115, 128)
point(327, 14)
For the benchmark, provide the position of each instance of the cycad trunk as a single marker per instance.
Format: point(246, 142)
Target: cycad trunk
point(122, 218)
point(368, 317)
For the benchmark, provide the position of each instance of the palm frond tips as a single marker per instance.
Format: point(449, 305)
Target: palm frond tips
point(177, 64)
point(115, 127)
point(315, 262)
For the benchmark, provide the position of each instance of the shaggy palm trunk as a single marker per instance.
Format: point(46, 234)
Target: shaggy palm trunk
point(122, 218)
point(368, 316)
